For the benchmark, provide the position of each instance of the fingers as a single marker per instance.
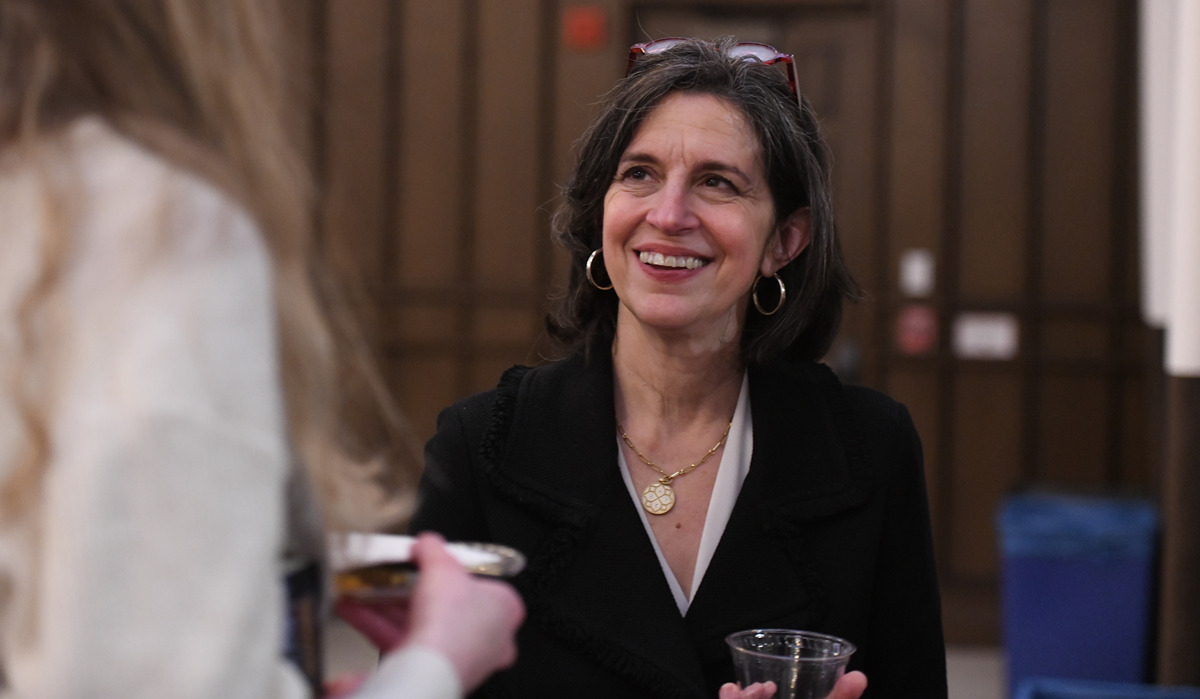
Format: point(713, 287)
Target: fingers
point(430, 554)
point(385, 626)
point(472, 621)
point(764, 690)
point(390, 609)
point(343, 686)
point(850, 686)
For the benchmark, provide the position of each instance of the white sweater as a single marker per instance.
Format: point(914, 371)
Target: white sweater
point(152, 566)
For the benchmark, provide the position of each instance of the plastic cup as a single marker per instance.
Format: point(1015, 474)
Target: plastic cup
point(802, 664)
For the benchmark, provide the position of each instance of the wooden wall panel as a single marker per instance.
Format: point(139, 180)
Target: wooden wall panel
point(987, 436)
point(916, 144)
point(508, 170)
point(914, 155)
point(352, 165)
point(1136, 466)
point(1074, 444)
point(1074, 339)
point(655, 20)
point(425, 300)
point(1080, 149)
point(431, 197)
point(995, 157)
point(580, 77)
point(424, 384)
point(421, 326)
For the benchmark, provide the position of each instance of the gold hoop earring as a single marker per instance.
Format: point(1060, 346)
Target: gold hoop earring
point(588, 270)
point(782, 296)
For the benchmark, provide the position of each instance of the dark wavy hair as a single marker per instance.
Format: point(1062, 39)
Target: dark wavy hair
point(797, 166)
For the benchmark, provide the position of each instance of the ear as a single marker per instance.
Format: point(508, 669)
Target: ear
point(789, 240)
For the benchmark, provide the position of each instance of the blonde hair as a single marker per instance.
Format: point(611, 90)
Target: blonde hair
point(203, 83)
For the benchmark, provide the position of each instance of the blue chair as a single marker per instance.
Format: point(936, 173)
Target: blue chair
point(1046, 688)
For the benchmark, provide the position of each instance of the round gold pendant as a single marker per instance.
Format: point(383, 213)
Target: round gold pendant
point(658, 498)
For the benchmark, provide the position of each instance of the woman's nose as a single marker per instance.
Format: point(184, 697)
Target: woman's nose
point(671, 210)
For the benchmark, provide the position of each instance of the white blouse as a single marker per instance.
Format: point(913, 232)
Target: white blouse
point(731, 473)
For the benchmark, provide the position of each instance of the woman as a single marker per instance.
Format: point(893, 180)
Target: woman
point(688, 469)
point(165, 360)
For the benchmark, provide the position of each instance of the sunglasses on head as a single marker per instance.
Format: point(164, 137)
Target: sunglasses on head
point(767, 55)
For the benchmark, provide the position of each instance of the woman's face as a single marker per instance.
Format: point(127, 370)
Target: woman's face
point(689, 220)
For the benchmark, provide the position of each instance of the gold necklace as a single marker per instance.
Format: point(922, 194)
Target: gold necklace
point(659, 497)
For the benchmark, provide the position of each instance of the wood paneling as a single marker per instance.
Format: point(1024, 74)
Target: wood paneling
point(355, 107)
point(1080, 56)
point(1074, 444)
point(432, 152)
point(995, 152)
point(987, 437)
point(996, 134)
point(507, 176)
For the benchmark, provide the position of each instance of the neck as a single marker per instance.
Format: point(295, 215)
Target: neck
point(674, 384)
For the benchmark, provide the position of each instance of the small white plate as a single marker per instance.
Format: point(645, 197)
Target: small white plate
point(380, 565)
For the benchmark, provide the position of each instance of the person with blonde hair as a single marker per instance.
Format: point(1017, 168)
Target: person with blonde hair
point(171, 375)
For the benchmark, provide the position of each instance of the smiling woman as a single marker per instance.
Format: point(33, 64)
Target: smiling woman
point(687, 469)
point(689, 223)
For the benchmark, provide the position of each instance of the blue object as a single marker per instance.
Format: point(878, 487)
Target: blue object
point(1077, 587)
point(1042, 688)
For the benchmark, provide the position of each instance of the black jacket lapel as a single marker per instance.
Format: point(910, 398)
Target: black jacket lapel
point(801, 469)
point(595, 582)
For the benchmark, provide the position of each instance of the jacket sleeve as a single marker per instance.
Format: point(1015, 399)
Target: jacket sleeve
point(449, 498)
point(412, 672)
point(907, 646)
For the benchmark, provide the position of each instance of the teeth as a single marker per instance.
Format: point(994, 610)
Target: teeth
point(678, 262)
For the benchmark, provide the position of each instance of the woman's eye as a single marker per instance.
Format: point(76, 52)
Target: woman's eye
point(636, 173)
point(718, 181)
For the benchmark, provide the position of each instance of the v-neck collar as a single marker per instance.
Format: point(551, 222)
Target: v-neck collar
point(731, 472)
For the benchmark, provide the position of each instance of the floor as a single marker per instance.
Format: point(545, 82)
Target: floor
point(973, 672)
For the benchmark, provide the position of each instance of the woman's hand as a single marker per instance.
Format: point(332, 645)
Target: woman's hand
point(471, 621)
point(849, 686)
point(758, 690)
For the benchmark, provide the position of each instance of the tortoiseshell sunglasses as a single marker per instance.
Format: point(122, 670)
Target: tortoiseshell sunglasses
point(767, 55)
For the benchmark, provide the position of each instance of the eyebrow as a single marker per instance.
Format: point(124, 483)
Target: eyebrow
point(709, 165)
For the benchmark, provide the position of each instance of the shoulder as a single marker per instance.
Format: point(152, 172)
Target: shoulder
point(529, 399)
point(496, 406)
point(136, 235)
point(146, 227)
point(876, 407)
point(159, 202)
point(117, 194)
point(524, 387)
point(860, 414)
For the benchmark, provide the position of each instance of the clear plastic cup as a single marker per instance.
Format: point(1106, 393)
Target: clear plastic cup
point(802, 664)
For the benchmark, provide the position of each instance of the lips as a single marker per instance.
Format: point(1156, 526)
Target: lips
point(657, 259)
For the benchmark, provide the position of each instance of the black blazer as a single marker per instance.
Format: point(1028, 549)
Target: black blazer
point(830, 533)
